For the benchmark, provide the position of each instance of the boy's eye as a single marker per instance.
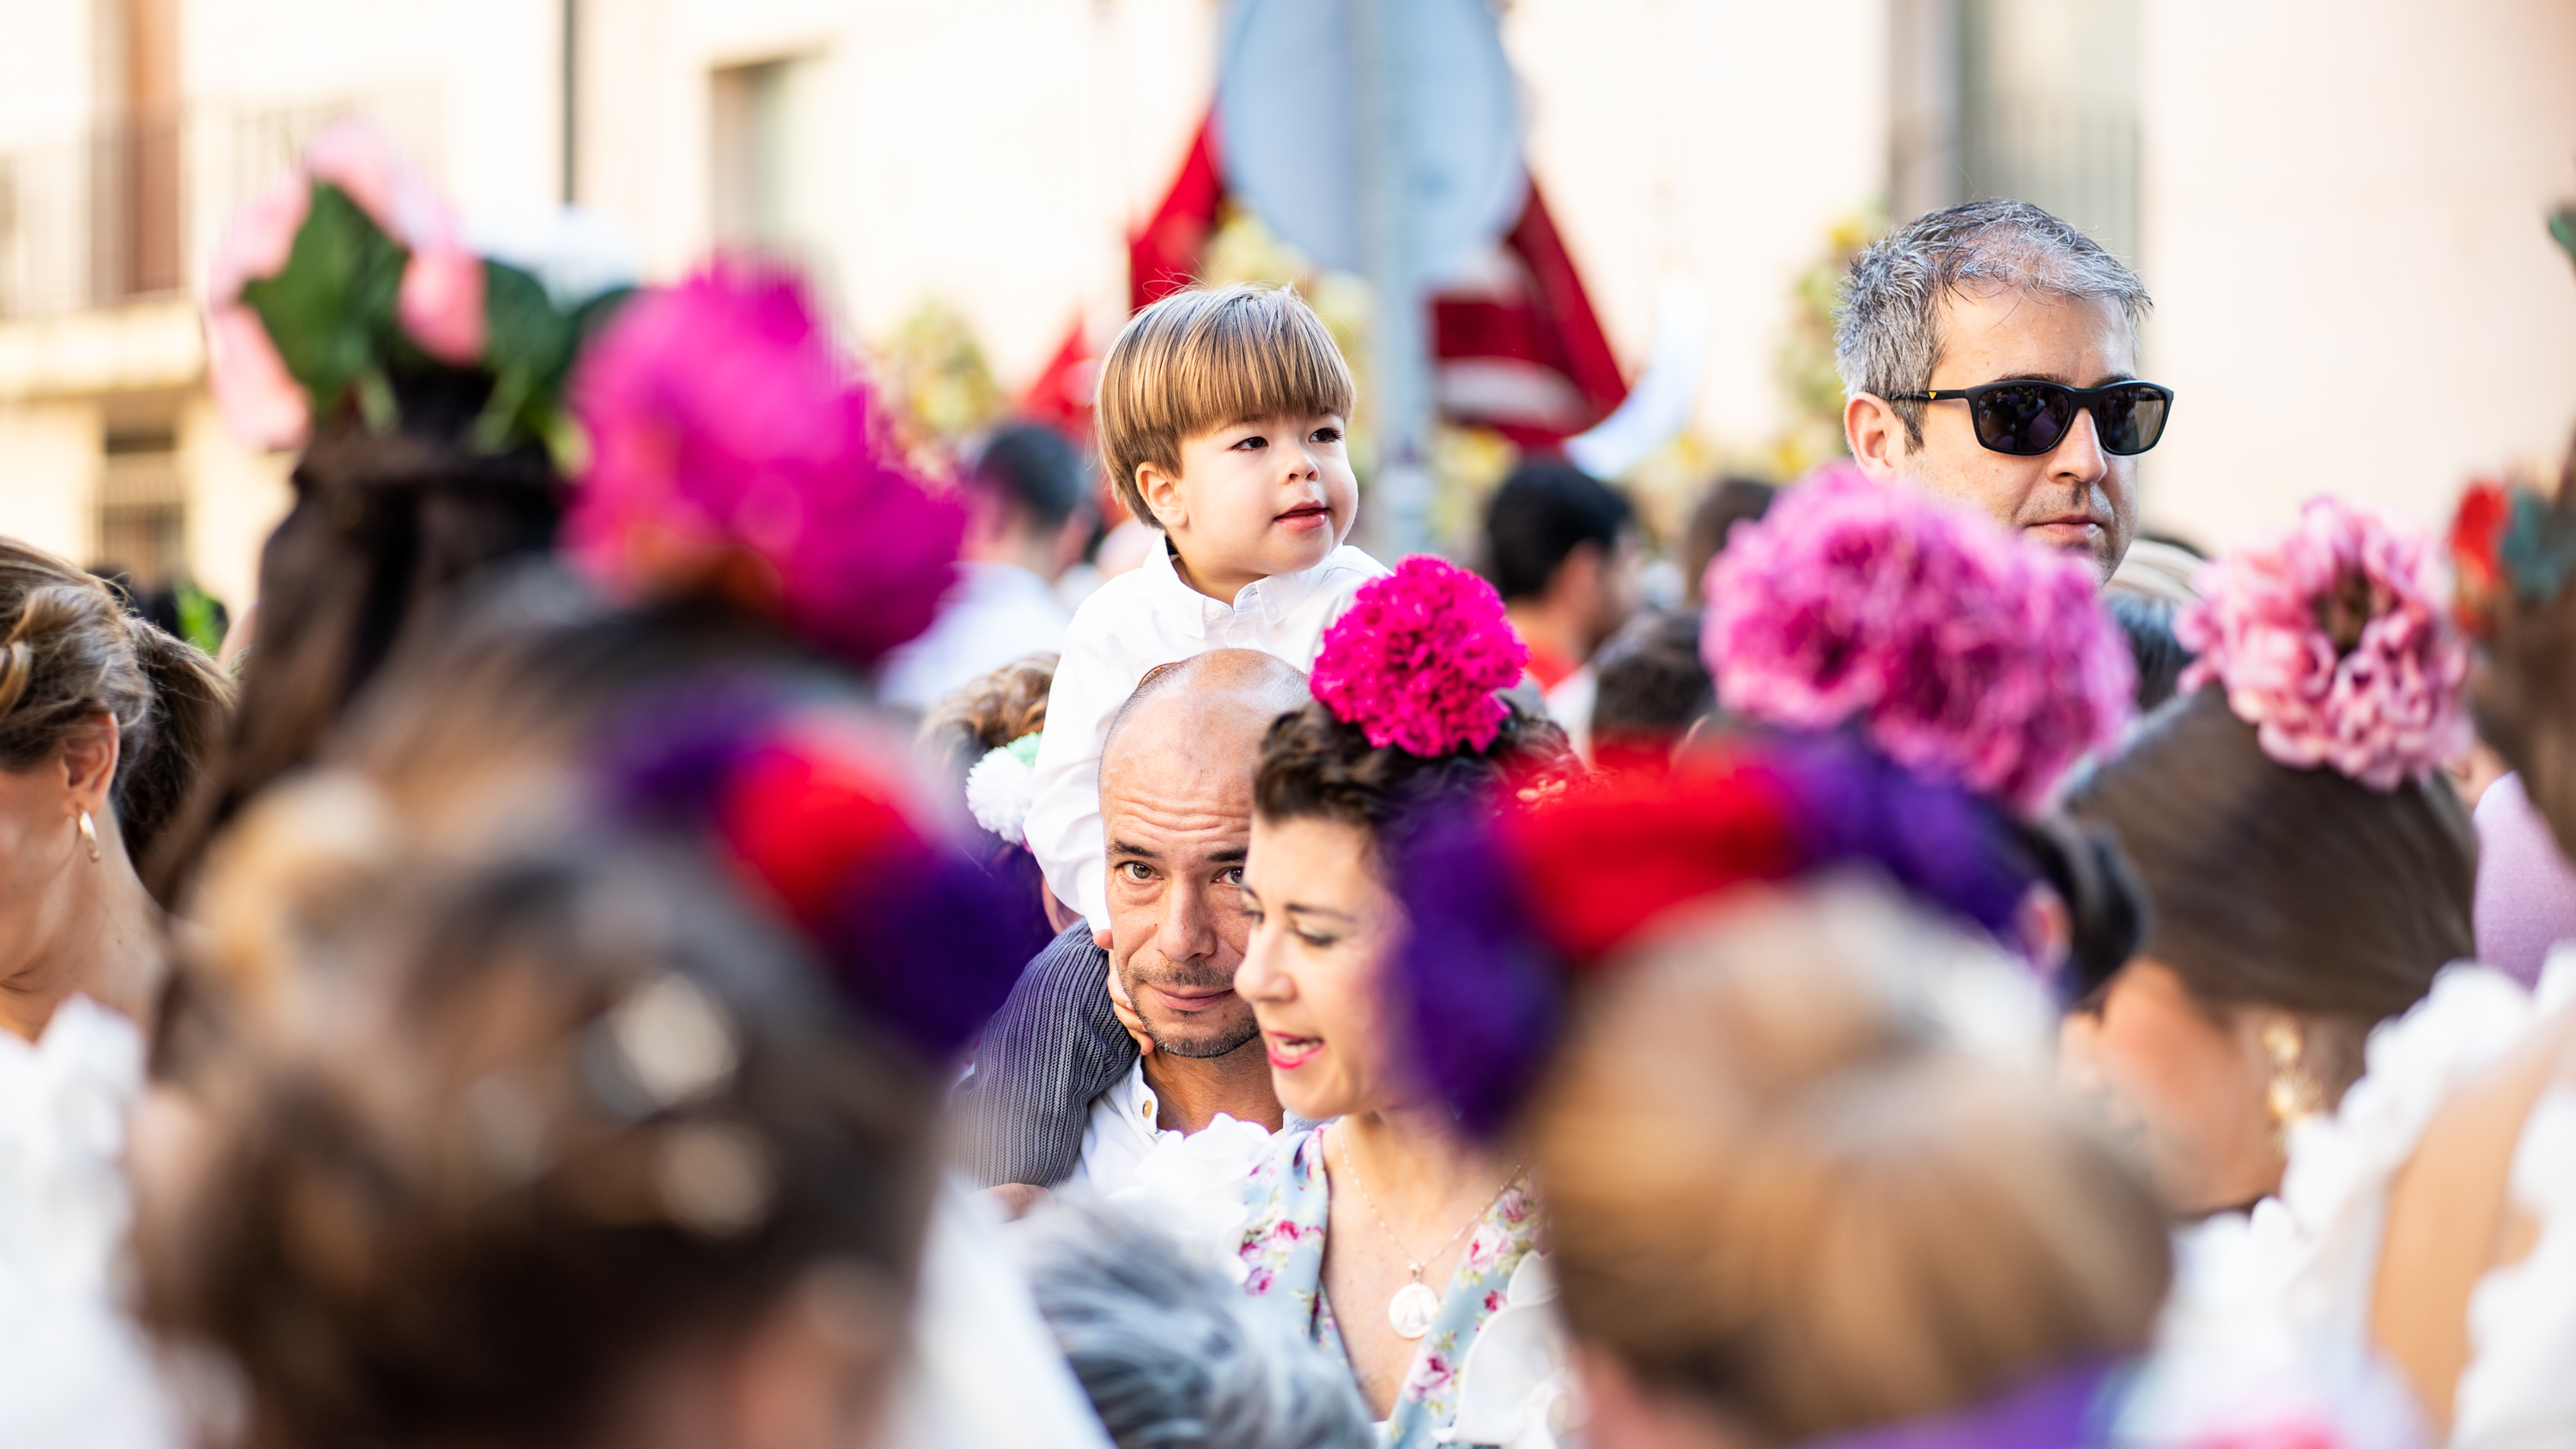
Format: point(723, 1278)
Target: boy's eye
point(1253, 444)
point(1327, 435)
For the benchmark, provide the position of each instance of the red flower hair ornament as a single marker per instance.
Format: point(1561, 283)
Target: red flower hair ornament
point(1418, 659)
point(2510, 548)
point(818, 808)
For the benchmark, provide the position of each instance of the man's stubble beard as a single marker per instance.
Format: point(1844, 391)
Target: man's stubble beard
point(1191, 1050)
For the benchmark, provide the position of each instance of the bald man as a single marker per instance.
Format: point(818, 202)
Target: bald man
point(1059, 1092)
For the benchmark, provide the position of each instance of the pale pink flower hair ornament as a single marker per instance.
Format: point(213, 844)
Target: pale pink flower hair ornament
point(440, 301)
point(725, 430)
point(2336, 642)
point(1955, 648)
point(1417, 659)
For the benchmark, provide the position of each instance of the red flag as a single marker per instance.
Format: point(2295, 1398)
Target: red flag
point(1517, 345)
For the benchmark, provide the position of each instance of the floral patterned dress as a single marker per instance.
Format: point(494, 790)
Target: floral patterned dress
point(1283, 1254)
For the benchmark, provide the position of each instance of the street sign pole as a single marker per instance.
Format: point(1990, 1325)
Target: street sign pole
point(1391, 253)
point(1396, 157)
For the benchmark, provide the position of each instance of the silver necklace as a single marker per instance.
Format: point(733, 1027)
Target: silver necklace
point(1411, 1311)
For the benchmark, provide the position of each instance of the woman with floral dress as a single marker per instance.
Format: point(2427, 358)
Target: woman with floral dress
point(1391, 1236)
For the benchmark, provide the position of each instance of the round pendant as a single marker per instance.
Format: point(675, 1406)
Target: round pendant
point(1411, 1310)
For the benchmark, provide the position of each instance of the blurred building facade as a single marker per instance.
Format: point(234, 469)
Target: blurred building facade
point(2337, 205)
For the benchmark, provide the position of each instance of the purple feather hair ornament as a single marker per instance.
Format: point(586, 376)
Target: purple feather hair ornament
point(1483, 994)
point(1508, 910)
point(824, 824)
point(1942, 846)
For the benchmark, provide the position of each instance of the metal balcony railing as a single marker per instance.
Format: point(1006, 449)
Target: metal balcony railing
point(134, 208)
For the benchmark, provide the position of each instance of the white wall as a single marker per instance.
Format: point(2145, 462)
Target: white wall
point(2342, 201)
point(235, 498)
point(47, 72)
point(988, 155)
point(49, 466)
point(1722, 138)
point(2344, 237)
point(489, 67)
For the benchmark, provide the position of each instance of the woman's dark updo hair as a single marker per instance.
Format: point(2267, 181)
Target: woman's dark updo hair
point(1317, 766)
point(382, 527)
point(2107, 909)
point(69, 653)
point(2300, 890)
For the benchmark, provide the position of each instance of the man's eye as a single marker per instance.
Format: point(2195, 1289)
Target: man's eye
point(1137, 870)
point(1232, 877)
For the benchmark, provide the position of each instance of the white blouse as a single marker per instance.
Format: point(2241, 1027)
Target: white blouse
point(75, 1371)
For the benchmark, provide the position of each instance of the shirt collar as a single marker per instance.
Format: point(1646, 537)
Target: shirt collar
point(1271, 598)
point(1135, 1097)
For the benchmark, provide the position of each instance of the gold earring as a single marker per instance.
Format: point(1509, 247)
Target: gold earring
point(2293, 1094)
point(89, 834)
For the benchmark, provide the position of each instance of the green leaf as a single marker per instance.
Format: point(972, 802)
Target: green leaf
point(530, 351)
point(330, 310)
point(199, 622)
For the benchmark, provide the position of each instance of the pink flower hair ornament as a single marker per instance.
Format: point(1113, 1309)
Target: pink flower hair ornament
point(350, 270)
point(728, 443)
point(1417, 659)
point(1952, 646)
point(2336, 643)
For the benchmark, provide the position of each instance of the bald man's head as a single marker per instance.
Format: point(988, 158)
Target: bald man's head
point(1176, 817)
point(1221, 693)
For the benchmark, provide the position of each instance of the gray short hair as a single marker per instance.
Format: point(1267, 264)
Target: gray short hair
point(1887, 333)
point(1172, 1355)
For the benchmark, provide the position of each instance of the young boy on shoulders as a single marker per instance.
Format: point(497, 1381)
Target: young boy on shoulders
point(1221, 415)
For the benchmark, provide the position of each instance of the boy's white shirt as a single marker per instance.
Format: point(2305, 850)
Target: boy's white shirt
point(1140, 619)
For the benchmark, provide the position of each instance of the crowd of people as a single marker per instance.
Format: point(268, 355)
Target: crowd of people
point(669, 927)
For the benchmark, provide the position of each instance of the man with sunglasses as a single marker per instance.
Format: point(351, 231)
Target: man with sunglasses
point(1988, 352)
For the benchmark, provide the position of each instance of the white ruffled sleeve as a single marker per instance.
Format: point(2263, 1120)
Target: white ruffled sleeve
point(75, 1371)
point(2518, 1388)
point(1193, 1187)
point(2343, 1164)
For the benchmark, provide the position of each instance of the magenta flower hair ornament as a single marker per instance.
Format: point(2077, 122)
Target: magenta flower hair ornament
point(731, 448)
point(1954, 647)
point(2336, 642)
point(1417, 659)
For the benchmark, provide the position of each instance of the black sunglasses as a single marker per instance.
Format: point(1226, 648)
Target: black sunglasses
point(2027, 419)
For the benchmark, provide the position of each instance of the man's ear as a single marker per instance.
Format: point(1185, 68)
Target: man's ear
point(989, 516)
point(1071, 538)
point(1876, 435)
point(1161, 490)
point(1577, 579)
point(89, 763)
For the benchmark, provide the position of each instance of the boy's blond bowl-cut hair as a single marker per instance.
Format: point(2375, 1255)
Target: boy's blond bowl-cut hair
point(1206, 357)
